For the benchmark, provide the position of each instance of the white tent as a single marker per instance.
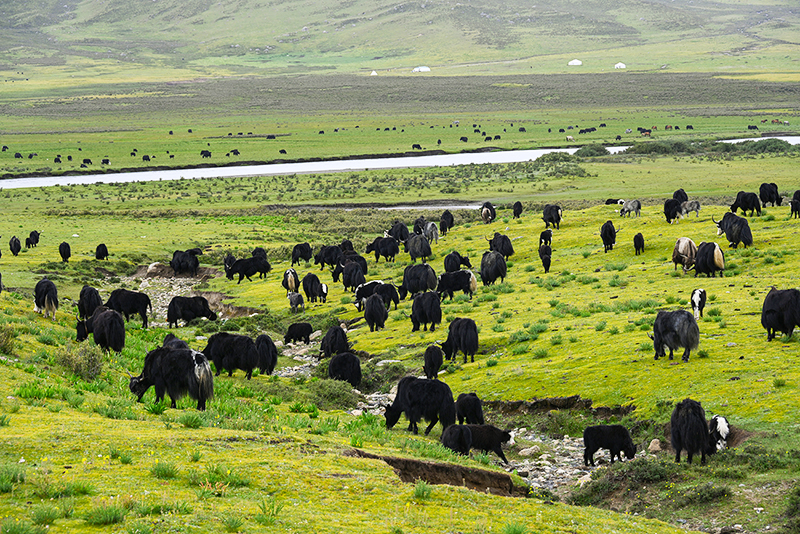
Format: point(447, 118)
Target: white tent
point(575, 63)
point(620, 65)
point(421, 69)
point(373, 73)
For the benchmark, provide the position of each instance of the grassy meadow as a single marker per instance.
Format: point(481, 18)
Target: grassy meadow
point(268, 453)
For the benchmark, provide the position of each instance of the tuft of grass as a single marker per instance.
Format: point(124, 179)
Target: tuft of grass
point(156, 408)
point(164, 470)
point(105, 514)
point(540, 354)
point(600, 326)
point(268, 510)
point(514, 528)
point(422, 490)
point(779, 382)
point(13, 525)
point(232, 522)
point(191, 420)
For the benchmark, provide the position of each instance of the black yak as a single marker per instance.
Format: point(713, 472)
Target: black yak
point(64, 251)
point(101, 252)
point(545, 254)
point(45, 298)
point(493, 266)
point(675, 329)
point(469, 408)
point(233, 351)
point(298, 332)
point(462, 336)
point(301, 251)
point(420, 398)
point(334, 342)
point(709, 260)
point(417, 279)
point(345, 366)
point(517, 209)
point(129, 303)
point(780, 312)
point(551, 214)
point(188, 309)
point(689, 430)
point(175, 372)
point(615, 438)
point(107, 328)
point(425, 309)
point(609, 236)
point(638, 243)
point(454, 261)
point(433, 361)
point(736, 230)
point(375, 313)
point(456, 281)
point(88, 300)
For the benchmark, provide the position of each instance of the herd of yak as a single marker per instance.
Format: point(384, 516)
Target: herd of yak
point(177, 370)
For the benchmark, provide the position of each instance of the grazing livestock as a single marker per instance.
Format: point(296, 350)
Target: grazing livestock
point(349, 257)
point(795, 208)
point(457, 438)
point(346, 367)
point(188, 309)
point(418, 247)
point(301, 251)
point(672, 208)
point(709, 260)
point(334, 342)
point(462, 336)
point(780, 312)
point(490, 438)
point(175, 372)
point(184, 261)
point(718, 431)
point(88, 300)
point(314, 289)
point(546, 237)
point(419, 225)
point(446, 222)
point(399, 232)
point(736, 230)
point(545, 254)
point(551, 214)
point(433, 361)
point(746, 202)
point(689, 431)
point(101, 252)
point(106, 326)
point(296, 301)
point(65, 251)
point(611, 201)
point(352, 275)
point(796, 195)
point(457, 281)
point(454, 261)
point(328, 254)
point(248, 267)
point(517, 209)
point(493, 266)
point(298, 332)
point(675, 329)
point(364, 291)
point(28, 243)
point(690, 205)
point(129, 303)
point(609, 236)
point(431, 233)
point(388, 293)
point(469, 408)
point(630, 206)
point(502, 244)
point(375, 313)
point(698, 300)
point(488, 213)
point(684, 253)
point(45, 298)
point(383, 246)
point(638, 243)
point(233, 351)
point(426, 308)
point(347, 246)
point(417, 279)
point(615, 438)
point(680, 195)
point(291, 282)
point(258, 251)
point(34, 239)
point(14, 245)
point(420, 398)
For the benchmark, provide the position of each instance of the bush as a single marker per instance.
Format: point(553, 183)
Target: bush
point(591, 151)
point(83, 359)
point(332, 394)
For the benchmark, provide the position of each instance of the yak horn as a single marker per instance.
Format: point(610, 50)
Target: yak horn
point(715, 222)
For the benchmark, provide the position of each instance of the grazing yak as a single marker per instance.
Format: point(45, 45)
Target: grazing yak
point(615, 438)
point(684, 253)
point(457, 281)
point(384, 246)
point(14, 245)
point(33, 239)
point(233, 351)
point(188, 308)
point(417, 279)
point(462, 336)
point(375, 313)
point(457, 438)
point(128, 303)
point(552, 214)
point(493, 266)
point(689, 431)
point(709, 260)
point(175, 372)
point(638, 243)
point(502, 244)
point(248, 267)
point(488, 213)
point(454, 261)
point(101, 252)
point(680, 195)
point(769, 193)
point(88, 300)
point(314, 289)
point(431, 233)
point(107, 328)
point(334, 342)
point(420, 398)
point(469, 408)
point(609, 236)
point(780, 312)
point(698, 300)
point(672, 209)
point(399, 232)
point(296, 301)
point(301, 251)
point(346, 367)
point(346, 258)
point(417, 247)
point(794, 206)
point(352, 275)
point(365, 291)
point(630, 206)
point(328, 255)
point(446, 222)
point(690, 205)
point(426, 308)
point(545, 252)
point(746, 202)
point(419, 225)
point(489, 438)
point(433, 359)
point(291, 282)
point(675, 329)
point(185, 261)
point(736, 230)
point(718, 430)
point(298, 332)
point(65, 251)
point(45, 298)
point(517, 209)
point(546, 237)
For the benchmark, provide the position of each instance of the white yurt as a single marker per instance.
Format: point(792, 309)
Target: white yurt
point(575, 63)
point(373, 73)
point(620, 65)
point(421, 69)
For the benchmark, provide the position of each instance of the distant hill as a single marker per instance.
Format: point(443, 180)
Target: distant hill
point(186, 38)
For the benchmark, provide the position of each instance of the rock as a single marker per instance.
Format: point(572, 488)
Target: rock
point(315, 335)
point(530, 451)
point(386, 362)
point(655, 446)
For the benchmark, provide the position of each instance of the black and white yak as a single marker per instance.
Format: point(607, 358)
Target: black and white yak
point(673, 330)
point(175, 372)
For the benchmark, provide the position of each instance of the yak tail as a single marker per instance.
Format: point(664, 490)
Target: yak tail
point(50, 306)
point(204, 380)
point(719, 258)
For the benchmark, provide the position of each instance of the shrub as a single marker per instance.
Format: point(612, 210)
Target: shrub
point(7, 339)
point(332, 394)
point(422, 490)
point(702, 494)
point(83, 359)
